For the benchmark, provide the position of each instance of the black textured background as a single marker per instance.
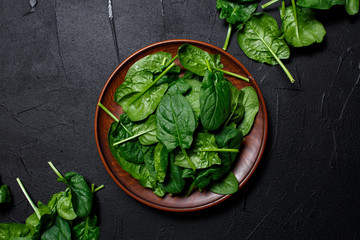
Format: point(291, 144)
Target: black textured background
point(55, 61)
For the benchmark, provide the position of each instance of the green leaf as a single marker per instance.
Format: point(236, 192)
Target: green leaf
point(60, 230)
point(200, 159)
point(309, 29)
point(194, 59)
point(214, 101)
point(174, 183)
point(81, 194)
point(251, 104)
point(148, 128)
point(352, 6)
point(193, 97)
point(13, 230)
point(5, 194)
point(227, 185)
point(319, 4)
point(261, 40)
point(65, 207)
point(175, 122)
point(236, 106)
point(235, 13)
point(52, 203)
point(37, 225)
point(179, 86)
point(161, 159)
point(86, 229)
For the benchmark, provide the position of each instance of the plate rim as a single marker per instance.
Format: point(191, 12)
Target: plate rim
point(180, 209)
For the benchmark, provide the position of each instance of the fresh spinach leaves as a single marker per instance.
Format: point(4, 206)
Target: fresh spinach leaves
point(251, 105)
point(5, 194)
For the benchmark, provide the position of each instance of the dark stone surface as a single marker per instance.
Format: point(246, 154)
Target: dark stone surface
point(55, 61)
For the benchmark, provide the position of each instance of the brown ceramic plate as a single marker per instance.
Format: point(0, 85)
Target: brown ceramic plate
point(250, 152)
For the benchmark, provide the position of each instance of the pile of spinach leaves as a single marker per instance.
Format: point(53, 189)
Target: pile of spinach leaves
point(258, 34)
point(67, 215)
point(181, 133)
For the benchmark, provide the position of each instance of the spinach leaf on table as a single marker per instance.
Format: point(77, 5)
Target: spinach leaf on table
point(86, 229)
point(175, 122)
point(174, 182)
point(193, 97)
point(161, 160)
point(194, 59)
point(81, 194)
point(179, 86)
point(64, 206)
point(261, 40)
point(302, 30)
point(251, 104)
point(147, 130)
point(5, 194)
point(60, 230)
point(200, 159)
point(225, 186)
point(319, 4)
point(352, 6)
point(13, 230)
point(214, 100)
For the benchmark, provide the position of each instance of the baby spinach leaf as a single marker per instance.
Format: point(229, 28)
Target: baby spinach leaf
point(81, 194)
point(352, 6)
point(319, 4)
point(13, 230)
point(65, 207)
point(86, 229)
point(227, 185)
point(161, 159)
point(194, 59)
point(150, 165)
point(309, 29)
point(251, 104)
point(175, 122)
point(214, 100)
point(193, 97)
point(146, 130)
point(60, 230)
point(52, 203)
point(5, 194)
point(261, 40)
point(37, 224)
point(131, 150)
point(174, 183)
point(235, 13)
point(198, 158)
point(179, 86)
point(236, 106)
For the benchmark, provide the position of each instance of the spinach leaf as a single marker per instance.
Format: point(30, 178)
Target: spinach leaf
point(194, 59)
point(161, 159)
point(236, 106)
point(5, 194)
point(52, 203)
point(174, 183)
point(39, 221)
point(175, 122)
point(179, 86)
point(130, 150)
point(352, 6)
point(81, 194)
point(60, 230)
point(193, 97)
point(150, 165)
point(227, 185)
point(261, 40)
point(251, 104)
point(199, 158)
point(13, 230)
point(86, 229)
point(235, 13)
point(301, 29)
point(146, 131)
point(319, 4)
point(65, 207)
point(214, 100)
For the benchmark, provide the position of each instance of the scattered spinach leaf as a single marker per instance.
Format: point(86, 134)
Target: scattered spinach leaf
point(65, 207)
point(352, 6)
point(5, 194)
point(86, 229)
point(13, 230)
point(146, 131)
point(60, 230)
point(251, 104)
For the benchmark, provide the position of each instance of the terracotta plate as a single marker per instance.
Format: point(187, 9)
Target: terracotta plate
point(251, 150)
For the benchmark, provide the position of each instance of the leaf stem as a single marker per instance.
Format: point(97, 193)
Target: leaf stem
point(55, 170)
point(233, 74)
point(132, 137)
point(108, 112)
point(269, 3)
point(217, 150)
point(99, 188)
point(296, 20)
point(208, 65)
point(228, 37)
point(172, 60)
point(28, 198)
point(188, 159)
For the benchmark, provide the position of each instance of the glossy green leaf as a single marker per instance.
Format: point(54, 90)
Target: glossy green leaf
point(37, 225)
point(65, 207)
point(309, 29)
point(352, 6)
point(175, 122)
point(52, 203)
point(174, 183)
point(193, 97)
point(251, 104)
point(225, 186)
point(13, 230)
point(237, 109)
point(194, 59)
point(5, 194)
point(235, 13)
point(147, 130)
point(161, 160)
point(214, 101)
point(319, 4)
point(86, 229)
point(59, 231)
point(179, 86)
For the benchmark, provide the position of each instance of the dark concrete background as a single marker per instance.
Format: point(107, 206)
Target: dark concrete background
point(55, 61)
